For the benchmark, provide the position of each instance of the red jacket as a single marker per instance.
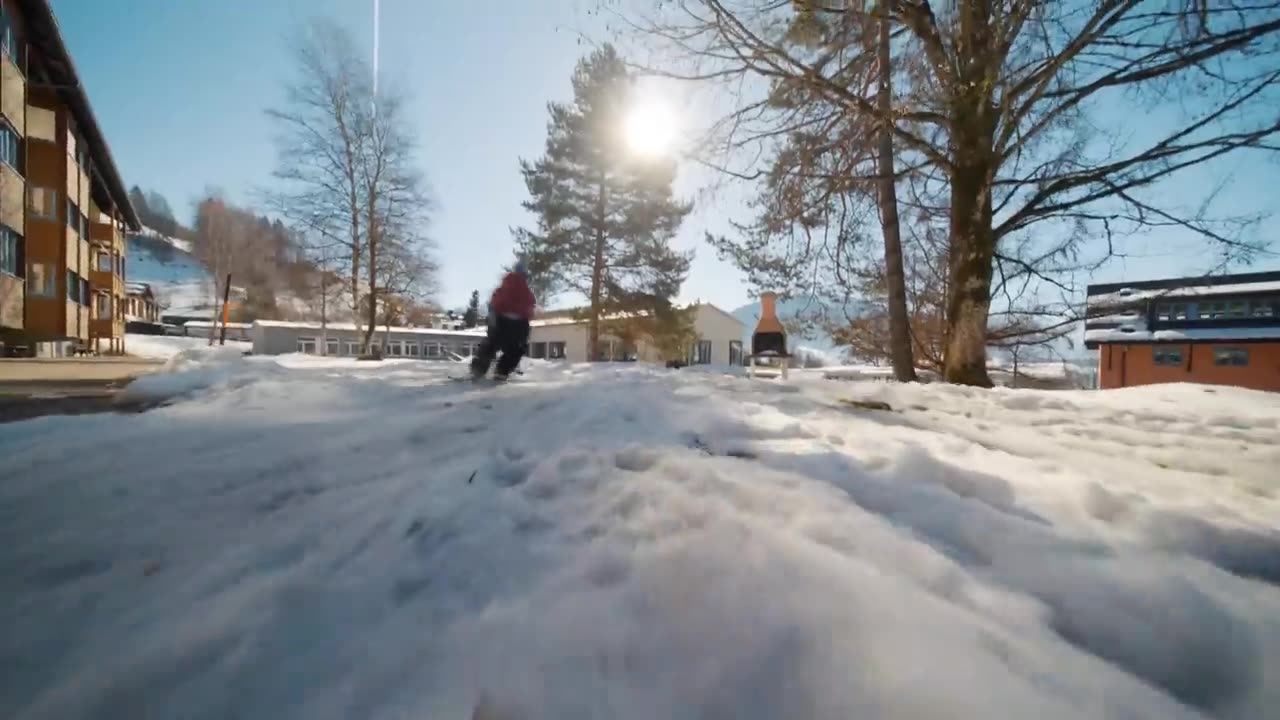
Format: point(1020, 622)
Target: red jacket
point(513, 297)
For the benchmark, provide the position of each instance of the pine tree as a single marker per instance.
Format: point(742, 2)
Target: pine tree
point(471, 317)
point(605, 217)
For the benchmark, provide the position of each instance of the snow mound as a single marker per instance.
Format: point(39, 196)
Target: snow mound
point(163, 347)
point(190, 371)
point(335, 539)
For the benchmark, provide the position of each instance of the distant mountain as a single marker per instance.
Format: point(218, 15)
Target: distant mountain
point(806, 313)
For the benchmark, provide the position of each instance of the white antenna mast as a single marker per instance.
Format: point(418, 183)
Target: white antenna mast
point(374, 100)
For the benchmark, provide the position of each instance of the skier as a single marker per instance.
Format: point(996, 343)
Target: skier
point(510, 310)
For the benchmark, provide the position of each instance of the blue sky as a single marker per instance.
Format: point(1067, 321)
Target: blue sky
point(180, 86)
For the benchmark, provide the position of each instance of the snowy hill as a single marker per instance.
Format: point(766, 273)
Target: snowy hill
point(181, 282)
point(334, 539)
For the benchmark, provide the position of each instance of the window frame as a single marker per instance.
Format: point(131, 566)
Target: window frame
point(13, 259)
point(332, 346)
point(395, 348)
point(735, 346)
point(301, 343)
point(431, 349)
point(557, 350)
point(1229, 356)
point(47, 285)
point(9, 138)
point(97, 306)
point(1169, 353)
point(538, 351)
point(36, 210)
point(412, 348)
point(697, 356)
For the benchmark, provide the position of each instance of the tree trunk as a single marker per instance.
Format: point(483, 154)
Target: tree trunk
point(373, 289)
point(904, 369)
point(597, 279)
point(969, 268)
point(972, 242)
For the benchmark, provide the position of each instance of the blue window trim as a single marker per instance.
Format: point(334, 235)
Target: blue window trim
point(12, 250)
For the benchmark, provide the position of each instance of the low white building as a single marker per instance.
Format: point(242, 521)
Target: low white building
point(566, 338)
point(552, 338)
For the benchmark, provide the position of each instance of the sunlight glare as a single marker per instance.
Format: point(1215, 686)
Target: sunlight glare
point(650, 129)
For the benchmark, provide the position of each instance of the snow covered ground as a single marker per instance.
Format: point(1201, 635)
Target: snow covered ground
point(314, 538)
point(163, 347)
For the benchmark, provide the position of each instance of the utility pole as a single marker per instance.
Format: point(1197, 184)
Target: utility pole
point(226, 298)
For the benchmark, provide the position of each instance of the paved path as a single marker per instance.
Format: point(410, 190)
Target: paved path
point(74, 369)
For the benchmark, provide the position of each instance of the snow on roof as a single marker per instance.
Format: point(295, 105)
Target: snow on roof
point(1134, 333)
point(315, 326)
point(562, 319)
point(1131, 295)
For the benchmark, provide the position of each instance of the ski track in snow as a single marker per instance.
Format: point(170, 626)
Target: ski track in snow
point(315, 538)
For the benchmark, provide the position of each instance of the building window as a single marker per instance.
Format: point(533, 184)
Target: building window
point(104, 262)
point(73, 287)
point(10, 146)
point(1230, 357)
point(1171, 311)
point(84, 292)
point(702, 353)
point(104, 306)
point(73, 215)
point(11, 252)
point(411, 348)
point(332, 346)
point(1264, 308)
point(353, 348)
point(41, 281)
point(555, 350)
point(307, 345)
point(8, 36)
point(735, 352)
point(395, 348)
point(1167, 356)
point(538, 350)
point(431, 349)
point(43, 202)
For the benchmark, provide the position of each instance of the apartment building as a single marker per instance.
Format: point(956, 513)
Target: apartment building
point(64, 209)
point(1220, 330)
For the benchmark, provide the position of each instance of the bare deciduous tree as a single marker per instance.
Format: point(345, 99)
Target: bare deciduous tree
point(1000, 114)
point(346, 163)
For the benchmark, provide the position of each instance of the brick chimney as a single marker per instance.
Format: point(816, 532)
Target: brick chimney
point(769, 336)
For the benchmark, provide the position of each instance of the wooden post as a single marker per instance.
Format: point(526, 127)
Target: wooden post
point(226, 298)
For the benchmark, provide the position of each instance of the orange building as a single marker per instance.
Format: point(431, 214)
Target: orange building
point(1222, 330)
point(64, 209)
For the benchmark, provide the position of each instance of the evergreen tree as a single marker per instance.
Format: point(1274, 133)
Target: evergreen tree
point(139, 201)
point(471, 317)
point(605, 218)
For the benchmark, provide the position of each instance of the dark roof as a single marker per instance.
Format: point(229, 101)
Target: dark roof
point(43, 32)
point(1194, 281)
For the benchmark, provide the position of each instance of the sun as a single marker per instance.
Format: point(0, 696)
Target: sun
point(650, 129)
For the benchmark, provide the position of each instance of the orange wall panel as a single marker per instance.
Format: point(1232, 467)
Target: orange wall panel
point(1130, 365)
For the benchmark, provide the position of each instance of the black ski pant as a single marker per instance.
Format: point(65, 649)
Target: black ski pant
point(508, 336)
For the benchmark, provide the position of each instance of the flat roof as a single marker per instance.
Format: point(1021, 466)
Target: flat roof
point(350, 327)
point(1194, 285)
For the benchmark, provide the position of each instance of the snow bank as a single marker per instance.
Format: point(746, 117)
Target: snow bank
point(163, 347)
point(369, 540)
point(191, 370)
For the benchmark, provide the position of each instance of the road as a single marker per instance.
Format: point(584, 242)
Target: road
point(67, 386)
